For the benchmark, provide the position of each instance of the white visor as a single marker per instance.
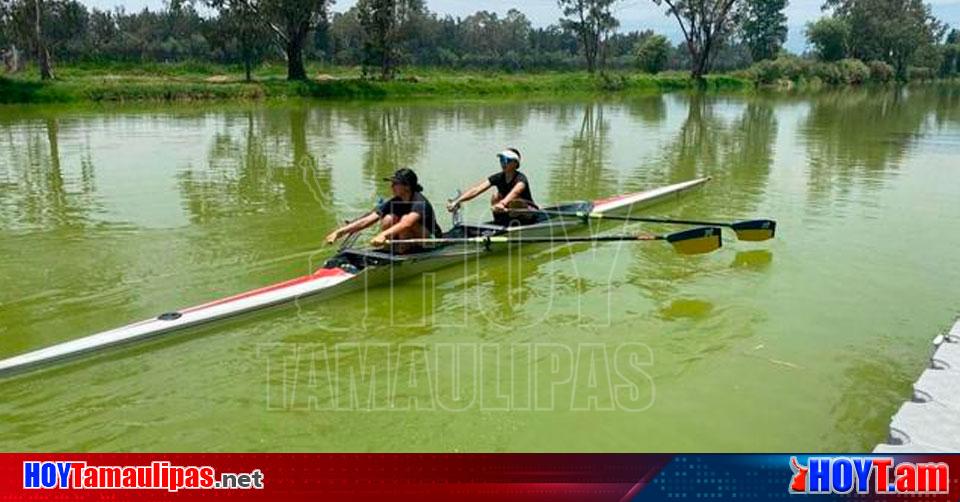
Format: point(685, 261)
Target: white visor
point(509, 154)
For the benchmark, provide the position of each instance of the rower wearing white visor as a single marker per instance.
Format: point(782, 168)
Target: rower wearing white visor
point(513, 191)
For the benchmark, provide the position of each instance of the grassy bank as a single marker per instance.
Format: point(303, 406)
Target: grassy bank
point(181, 82)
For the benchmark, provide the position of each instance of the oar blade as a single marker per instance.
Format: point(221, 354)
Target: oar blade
point(755, 230)
point(696, 240)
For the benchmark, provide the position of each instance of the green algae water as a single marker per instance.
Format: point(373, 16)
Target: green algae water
point(807, 342)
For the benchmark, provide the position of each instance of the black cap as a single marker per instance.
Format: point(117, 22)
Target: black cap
point(406, 177)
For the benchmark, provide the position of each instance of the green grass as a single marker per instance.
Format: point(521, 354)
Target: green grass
point(203, 81)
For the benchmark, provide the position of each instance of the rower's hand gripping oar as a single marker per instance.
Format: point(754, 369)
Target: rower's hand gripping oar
point(694, 241)
point(456, 216)
point(352, 237)
point(746, 230)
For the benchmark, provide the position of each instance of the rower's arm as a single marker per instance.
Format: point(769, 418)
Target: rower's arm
point(472, 192)
point(408, 221)
point(359, 224)
point(514, 194)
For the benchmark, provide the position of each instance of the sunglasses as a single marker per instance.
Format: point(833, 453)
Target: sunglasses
point(504, 160)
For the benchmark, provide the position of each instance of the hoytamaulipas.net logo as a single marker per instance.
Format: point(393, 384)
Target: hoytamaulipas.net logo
point(863, 475)
point(159, 475)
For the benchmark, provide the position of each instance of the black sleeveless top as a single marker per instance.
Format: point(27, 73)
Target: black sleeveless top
point(504, 187)
point(418, 204)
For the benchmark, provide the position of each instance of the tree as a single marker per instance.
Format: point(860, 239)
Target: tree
point(764, 27)
point(345, 42)
point(385, 25)
point(705, 24)
point(829, 36)
point(45, 26)
point(950, 52)
point(592, 21)
point(291, 22)
point(652, 53)
point(889, 30)
point(6, 8)
point(513, 33)
point(239, 27)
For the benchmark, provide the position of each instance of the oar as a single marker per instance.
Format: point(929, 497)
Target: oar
point(747, 230)
point(694, 241)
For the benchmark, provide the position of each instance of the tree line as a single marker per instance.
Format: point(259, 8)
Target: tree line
point(382, 36)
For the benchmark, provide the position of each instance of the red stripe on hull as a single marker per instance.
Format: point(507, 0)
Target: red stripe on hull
point(319, 274)
point(613, 199)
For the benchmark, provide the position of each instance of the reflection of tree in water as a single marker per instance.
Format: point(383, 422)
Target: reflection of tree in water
point(737, 152)
point(580, 170)
point(650, 110)
point(485, 116)
point(697, 146)
point(312, 173)
point(34, 190)
point(860, 135)
point(748, 155)
point(395, 136)
point(269, 167)
point(947, 107)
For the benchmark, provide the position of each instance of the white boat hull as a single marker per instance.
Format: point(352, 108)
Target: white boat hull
point(324, 283)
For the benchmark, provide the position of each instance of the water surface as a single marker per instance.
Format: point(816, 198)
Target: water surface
point(808, 342)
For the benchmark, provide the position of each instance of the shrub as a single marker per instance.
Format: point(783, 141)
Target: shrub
point(782, 68)
point(764, 72)
point(447, 58)
point(853, 71)
point(880, 72)
point(844, 72)
point(652, 53)
point(919, 73)
point(828, 73)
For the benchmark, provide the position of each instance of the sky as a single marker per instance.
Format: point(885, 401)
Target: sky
point(633, 14)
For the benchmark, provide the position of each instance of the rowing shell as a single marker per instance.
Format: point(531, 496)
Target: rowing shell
point(349, 270)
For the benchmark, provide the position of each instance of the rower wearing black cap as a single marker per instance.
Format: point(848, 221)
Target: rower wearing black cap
point(513, 191)
point(408, 215)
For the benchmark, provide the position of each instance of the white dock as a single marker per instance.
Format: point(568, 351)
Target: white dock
point(930, 421)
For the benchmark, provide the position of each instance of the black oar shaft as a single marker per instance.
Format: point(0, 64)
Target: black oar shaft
point(677, 222)
point(499, 239)
point(694, 241)
point(749, 230)
point(599, 238)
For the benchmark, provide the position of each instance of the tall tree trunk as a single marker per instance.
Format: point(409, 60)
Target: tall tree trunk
point(601, 52)
point(699, 60)
point(697, 70)
point(46, 71)
point(294, 49)
point(43, 56)
point(590, 54)
point(386, 72)
point(247, 52)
